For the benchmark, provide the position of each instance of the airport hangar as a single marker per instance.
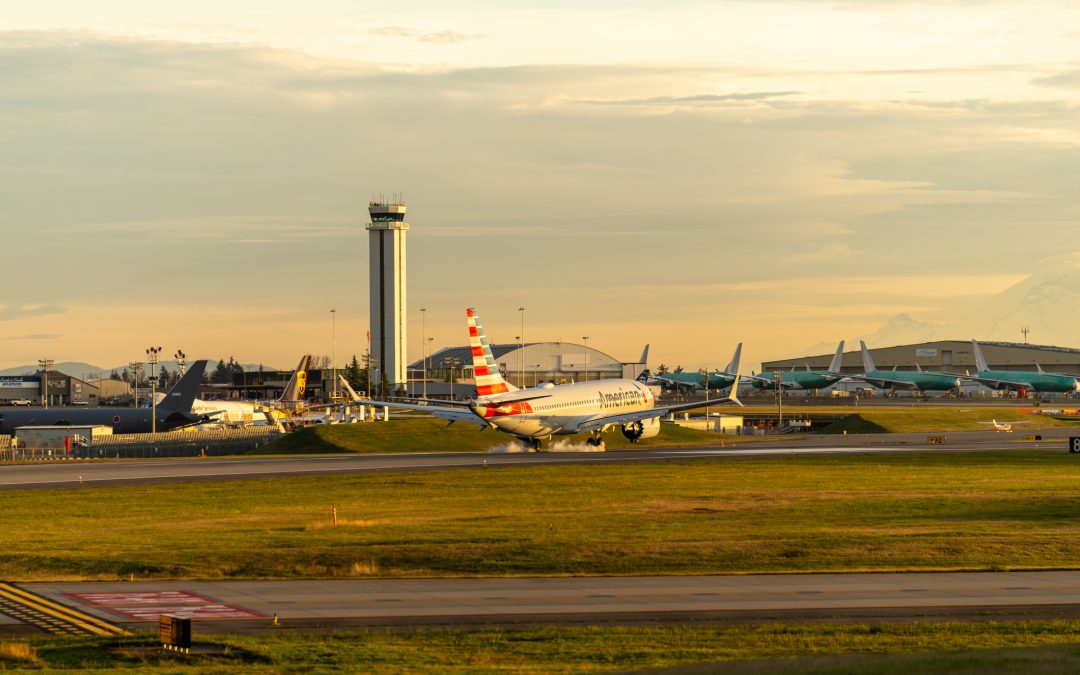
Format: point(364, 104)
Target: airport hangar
point(522, 365)
point(63, 389)
point(951, 356)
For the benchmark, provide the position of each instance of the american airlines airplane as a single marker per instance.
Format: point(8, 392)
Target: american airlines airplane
point(548, 410)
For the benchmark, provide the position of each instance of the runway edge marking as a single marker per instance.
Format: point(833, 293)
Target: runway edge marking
point(86, 622)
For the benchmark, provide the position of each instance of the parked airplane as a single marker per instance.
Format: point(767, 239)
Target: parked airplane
point(808, 379)
point(255, 412)
point(1002, 426)
point(1022, 381)
point(173, 412)
point(548, 410)
point(718, 379)
point(920, 379)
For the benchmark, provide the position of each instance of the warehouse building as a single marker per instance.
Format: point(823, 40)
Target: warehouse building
point(62, 389)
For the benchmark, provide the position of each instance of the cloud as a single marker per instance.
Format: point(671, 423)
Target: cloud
point(391, 31)
point(1068, 80)
point(16, 312)
point(449, 37)
point(34, 337)
point(698, 99)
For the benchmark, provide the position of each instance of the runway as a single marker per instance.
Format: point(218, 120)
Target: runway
point(236, 606)
point(86, 473)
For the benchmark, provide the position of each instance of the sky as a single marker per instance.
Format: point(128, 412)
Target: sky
point(687, 174)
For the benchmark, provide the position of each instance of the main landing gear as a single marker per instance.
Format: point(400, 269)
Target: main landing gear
point(595, 442)
point(533, 444)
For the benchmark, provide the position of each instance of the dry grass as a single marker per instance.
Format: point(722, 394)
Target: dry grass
point(19, 652)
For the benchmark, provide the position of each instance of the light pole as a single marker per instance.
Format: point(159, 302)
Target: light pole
point(152, 359)
point(426, 359)
point(423, 346)
point(45, 364)
point(333, 350)
point(521, 357)
point(181, 361)
point(136, 368)
point(453, 362)
point(779, 399)
point(586, 339)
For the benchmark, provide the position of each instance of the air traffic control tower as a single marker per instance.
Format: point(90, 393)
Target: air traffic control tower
point(386, 250)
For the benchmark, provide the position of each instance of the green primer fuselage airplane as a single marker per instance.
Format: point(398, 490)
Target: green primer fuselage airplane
point(717, 379)
point(1021, 380)
point(904, 379)
point(807, 379)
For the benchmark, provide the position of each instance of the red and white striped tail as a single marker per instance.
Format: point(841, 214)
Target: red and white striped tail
point(489, 381)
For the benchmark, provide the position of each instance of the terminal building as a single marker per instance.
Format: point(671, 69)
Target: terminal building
point(951, 356)
point(522, 365)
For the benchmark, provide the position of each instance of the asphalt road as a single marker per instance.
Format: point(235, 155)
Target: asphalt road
point(235, 606)
point(81, 473)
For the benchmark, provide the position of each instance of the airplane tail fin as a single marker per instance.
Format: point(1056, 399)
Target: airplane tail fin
point(834, 365)
point(348, 389)
point(489, 381)
point(644, 376)
point(294, 390)
point(181, 397)
point(980, 361)
point(733, 367)
point(1039, 368)
point(644, 355)
point(867, 362)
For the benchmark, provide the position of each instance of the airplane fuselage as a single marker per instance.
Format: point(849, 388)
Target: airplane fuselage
point(122, 420)
point(797, 380)
point(1045, 382)
point(564, 408)
point(716, 380)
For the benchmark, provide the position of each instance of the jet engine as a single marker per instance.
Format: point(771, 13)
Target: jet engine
point(646, 428)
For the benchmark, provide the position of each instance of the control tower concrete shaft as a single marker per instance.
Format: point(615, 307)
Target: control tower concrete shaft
point(386, 251)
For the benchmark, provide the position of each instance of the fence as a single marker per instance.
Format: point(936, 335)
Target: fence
point(172, 444)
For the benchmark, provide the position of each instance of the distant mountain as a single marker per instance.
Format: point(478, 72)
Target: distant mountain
point(1047, 302)
point(76, 368)
point(86, 371)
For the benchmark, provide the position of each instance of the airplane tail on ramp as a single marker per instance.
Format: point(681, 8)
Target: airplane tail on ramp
point(980, 361)
point(182, 396)
point(294, 390)
point(867, 362)
point(834, 365)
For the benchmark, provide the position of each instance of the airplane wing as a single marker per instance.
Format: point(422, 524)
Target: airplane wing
point(895, 384)
point(627, 418)
point(677, 383)
point(768, 381)
point(995, 383)
point(443, 412)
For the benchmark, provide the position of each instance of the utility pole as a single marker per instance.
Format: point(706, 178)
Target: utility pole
point(779, 399)
point(586, 339)
point(333, 351)
point(423, 346)
point(45, 364)
point(152, 359)
point(521, 353)
point(136, 368)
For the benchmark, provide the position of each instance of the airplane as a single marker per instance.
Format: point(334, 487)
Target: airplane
point(920, 379)
point(1022, 381)
point(254, 412)
point(718, 379)
point(173, 412)
point(808, 379)
point(547, 409)
point(1002, 426)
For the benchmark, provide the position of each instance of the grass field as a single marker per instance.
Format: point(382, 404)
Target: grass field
point(977, 511)
point(1035, 648)
point(426, 434)
point(898, 419)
